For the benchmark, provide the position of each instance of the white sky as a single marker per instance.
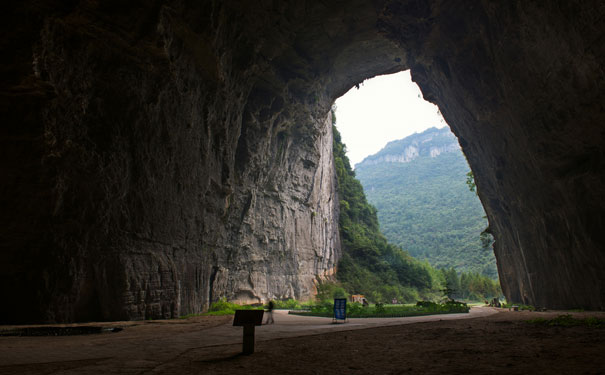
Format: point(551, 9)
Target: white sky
point(383, 109)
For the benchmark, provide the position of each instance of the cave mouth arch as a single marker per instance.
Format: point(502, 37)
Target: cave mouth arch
point(461, 59)
point(413, 172)
point(183, 146)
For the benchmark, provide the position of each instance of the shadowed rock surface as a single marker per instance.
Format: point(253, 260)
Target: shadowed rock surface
point(157, 156)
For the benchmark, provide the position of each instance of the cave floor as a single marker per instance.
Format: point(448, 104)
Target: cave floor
point(485, 340)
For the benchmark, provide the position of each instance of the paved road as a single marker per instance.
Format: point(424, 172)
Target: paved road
point(145, 348)
point(293, 325)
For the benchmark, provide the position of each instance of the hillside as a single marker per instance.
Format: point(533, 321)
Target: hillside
point(418, 185)
point(370, 265)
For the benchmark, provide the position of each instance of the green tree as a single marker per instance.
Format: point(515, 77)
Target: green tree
point(477, 287)
point(470, 181)
point(369, 264)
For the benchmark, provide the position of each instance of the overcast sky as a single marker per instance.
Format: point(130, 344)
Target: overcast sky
point(383, 109)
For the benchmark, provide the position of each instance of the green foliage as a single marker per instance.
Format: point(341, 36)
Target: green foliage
point(569, 321)
point(289, 304)
point(452, 283)
point(520, 306)
point(486, 238)
point(470, 181)
point(323, 307)
point(223, 307)
point(470, 286)
point(369, 264)
point(424, 205)
point(356, 310)
point(327, 291)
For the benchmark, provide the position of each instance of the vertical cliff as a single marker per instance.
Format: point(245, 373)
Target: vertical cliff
point(149, 171)
point(282, 220)
point(520, 84)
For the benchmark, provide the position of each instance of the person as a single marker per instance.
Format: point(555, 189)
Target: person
point(270, 307)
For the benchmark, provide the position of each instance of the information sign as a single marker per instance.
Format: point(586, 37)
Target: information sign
point(248, 319)
point(340, 308)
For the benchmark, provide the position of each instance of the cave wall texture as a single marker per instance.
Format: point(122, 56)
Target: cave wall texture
point(159, 155)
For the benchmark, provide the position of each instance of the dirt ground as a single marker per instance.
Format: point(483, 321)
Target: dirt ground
point(500, 344)
point(503, 343)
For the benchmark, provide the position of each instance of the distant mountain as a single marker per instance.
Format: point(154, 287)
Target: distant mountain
point(418, 185)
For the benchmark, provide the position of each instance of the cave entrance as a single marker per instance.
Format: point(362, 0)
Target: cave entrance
point(394, 107)
point(413, 171)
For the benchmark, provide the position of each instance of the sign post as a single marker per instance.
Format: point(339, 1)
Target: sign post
point(248, 319)
point(340, 310)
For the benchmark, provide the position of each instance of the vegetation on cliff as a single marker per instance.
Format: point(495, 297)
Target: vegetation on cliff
point(381, 271)
point(369, 264)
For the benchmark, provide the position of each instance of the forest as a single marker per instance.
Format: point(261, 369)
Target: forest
point(370, 264)
point(425, 205)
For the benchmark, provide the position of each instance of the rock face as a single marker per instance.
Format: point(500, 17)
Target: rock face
point(160, 155)
point(521, 87)
point(432, 142)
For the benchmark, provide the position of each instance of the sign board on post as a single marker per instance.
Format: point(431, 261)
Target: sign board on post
point(340, 309)
point(248, 319)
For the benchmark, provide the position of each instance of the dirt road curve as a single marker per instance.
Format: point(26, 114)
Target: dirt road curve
point(485, 340)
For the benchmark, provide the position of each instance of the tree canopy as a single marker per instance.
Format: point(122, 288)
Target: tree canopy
point(425, 205)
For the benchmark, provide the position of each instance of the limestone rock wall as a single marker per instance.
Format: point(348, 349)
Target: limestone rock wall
point(520, 84)
point(404, 151)
point(146, 170)
point(285, 239)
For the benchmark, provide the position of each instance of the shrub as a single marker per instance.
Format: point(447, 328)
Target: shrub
point(520, 305)
point(325, 307)
point(456, 306)
point(408, 295)
point(426, 304)
point(289, 304)
point(327, 291)
point(223, 307)
point(356, 310)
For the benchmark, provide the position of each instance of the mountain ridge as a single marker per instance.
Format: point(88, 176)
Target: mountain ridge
point(431, 142)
